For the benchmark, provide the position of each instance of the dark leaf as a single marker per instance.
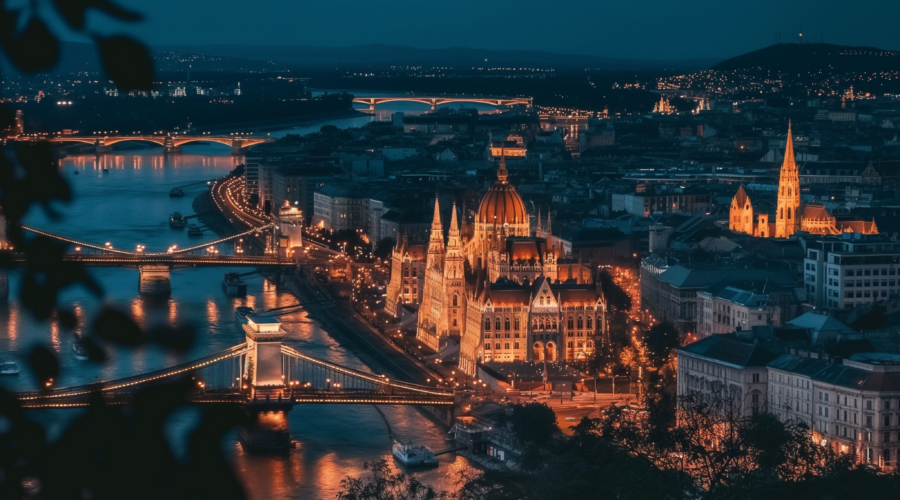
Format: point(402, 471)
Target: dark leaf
point(34, 49)
point(180, 338)
point(44, 364)
point(126, 62)
point(73, 11)
point(118, 327)
point(94, 351)
point(67, 319)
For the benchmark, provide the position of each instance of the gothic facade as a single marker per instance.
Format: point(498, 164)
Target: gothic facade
point(791, 215)
point(501, 292)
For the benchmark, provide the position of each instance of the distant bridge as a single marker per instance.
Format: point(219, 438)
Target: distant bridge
point(437, 100)
point(156, 267)
point(172, 143)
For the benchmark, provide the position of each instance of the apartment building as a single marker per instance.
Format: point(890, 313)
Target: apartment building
point(852, 271)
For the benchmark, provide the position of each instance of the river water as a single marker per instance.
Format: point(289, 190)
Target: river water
point(129, 205)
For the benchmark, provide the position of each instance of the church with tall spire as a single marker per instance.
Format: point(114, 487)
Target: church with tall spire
point(495, 290)
point(791, 214)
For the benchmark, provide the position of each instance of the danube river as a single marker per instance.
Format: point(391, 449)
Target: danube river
point(128, 205)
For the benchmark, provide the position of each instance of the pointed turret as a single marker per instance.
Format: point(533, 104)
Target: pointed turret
point(453, 239)
point(502, 174)
point(537, 230)
point(787, 215)
point(436, 238)
point(436, 221)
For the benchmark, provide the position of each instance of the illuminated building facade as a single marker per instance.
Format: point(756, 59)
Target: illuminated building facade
point(502, 292)
point(790, 214)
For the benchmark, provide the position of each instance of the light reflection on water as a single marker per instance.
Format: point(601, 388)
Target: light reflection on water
point(130, 205)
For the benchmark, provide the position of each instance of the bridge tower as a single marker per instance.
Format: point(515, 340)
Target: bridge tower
point(264, 375)
point(170, 146)
point(237, 146)
point(155, 280)
point(100, 147)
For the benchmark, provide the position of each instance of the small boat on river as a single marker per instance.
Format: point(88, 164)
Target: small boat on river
point(414, 455)
point(81, 352)
point(193, 230)
point(241, 312)
point(176, 193)
point(234, 285)
point(177, 221)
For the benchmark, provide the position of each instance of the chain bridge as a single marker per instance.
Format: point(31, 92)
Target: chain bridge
point(262, 375)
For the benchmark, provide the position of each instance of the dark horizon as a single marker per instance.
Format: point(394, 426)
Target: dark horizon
point(622, 31)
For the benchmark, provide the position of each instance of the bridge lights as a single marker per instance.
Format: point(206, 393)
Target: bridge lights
point(77, 249)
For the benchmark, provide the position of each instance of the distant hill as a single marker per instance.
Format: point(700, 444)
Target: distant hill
point(813, 57)
point(459, 57)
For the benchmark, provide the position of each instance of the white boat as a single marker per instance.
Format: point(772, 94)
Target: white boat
point(8, 367)
point(411, 454)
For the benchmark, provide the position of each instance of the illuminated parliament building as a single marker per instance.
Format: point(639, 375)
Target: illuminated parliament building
point(791, 215)
point(503, 293)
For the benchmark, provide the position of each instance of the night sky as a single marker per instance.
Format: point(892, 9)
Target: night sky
point(645, 29)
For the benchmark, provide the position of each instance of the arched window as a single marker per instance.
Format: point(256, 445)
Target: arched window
point(580, 322)
point(454, 321)
point(599, 322)
point(555, 324)
point(455, 300)
point(497, 324)
point(506, 345)
point(534, 324)
point(790, 213)
point(506, 324)
point(571, 323)
point(497, 345)
point(542, 323)
point(590, 323)
point(517, 324)
point(570, 344)
point(590, 344)
point(487, 323)
point(406, 272)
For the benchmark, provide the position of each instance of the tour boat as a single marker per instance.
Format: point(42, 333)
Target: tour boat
point(234, 285)
point(411, 454)
point(176, 193)
point(193, 230)
point(80, 350)
point(177, 221)
point(8, 367)
point(241, 314)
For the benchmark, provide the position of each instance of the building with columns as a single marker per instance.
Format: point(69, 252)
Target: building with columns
point(501, 292)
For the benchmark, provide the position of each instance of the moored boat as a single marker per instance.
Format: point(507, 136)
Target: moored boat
point(177, 221)
point(234, 285)
point(412, 455)
point(193, 230)
point(240, 314)
point(176, 193)
point(80, 350)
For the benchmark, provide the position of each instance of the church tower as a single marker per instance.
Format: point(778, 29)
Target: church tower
point(432, 297)
point(787, 216)
point(453, 318)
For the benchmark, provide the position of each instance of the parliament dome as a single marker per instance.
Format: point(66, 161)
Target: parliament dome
point(502, 204)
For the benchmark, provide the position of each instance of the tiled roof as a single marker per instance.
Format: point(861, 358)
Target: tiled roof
point(729, 351)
